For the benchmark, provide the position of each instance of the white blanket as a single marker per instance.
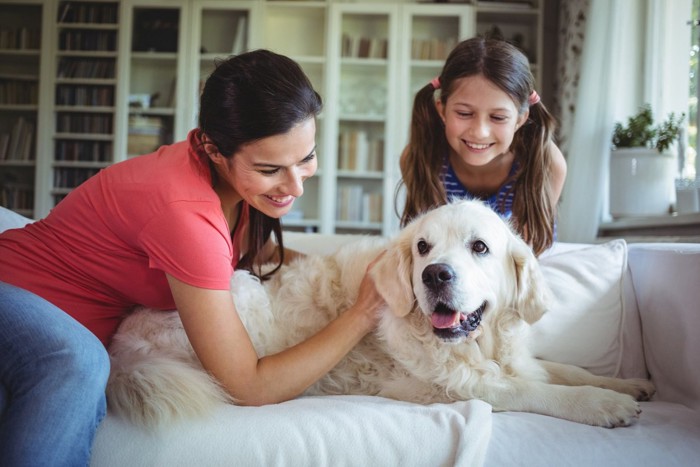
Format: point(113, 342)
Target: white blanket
point(309, 431)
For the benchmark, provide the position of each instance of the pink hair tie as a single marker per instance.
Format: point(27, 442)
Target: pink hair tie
point(534, 98)
point(435, 82)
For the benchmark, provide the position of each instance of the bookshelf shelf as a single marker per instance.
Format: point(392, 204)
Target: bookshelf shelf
point(13, 163)
point(81, 164)
point(19, 107)
point(85, 108)
point(85, 136)
point(20, 52)
point(88, 26)
point(148, 56)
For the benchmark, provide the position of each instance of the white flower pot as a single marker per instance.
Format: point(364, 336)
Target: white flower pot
point(642, 182)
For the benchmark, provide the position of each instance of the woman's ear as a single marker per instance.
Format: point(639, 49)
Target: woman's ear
point(211, 149)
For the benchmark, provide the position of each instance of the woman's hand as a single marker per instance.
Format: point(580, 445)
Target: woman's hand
point(369, 301)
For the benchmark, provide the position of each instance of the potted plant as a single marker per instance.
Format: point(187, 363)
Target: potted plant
point(642, 165)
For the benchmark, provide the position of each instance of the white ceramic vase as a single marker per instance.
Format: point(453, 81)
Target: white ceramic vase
point(642, 182)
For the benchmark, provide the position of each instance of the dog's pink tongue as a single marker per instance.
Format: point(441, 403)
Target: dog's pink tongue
point(442, 321)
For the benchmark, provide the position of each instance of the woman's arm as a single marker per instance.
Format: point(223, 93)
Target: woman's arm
point(225, 350)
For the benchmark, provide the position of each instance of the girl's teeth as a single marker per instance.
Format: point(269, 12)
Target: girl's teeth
point(478, 146)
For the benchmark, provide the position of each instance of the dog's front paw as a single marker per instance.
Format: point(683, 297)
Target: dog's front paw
point(608, 408)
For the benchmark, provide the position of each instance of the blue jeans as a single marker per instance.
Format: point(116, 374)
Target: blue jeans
point(53, 373)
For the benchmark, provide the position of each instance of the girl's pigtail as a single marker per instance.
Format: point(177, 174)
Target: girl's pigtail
point(422, 163)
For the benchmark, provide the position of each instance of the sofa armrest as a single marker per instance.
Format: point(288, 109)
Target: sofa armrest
point(666, 280)
point(11, 220)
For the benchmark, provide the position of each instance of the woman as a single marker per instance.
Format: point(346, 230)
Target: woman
point(486, 136)
point(164, 230)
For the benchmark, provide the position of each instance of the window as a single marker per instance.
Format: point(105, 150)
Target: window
point(690, 164)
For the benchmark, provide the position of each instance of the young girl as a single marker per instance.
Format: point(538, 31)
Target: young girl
point(487, 136)
point(163, 230)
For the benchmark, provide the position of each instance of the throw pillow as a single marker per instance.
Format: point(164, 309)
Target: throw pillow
point(583, 327)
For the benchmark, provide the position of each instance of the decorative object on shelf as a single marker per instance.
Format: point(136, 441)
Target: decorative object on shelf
point(145, 134)
point(642, 165)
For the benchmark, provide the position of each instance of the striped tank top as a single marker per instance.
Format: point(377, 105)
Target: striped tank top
point(501, 201)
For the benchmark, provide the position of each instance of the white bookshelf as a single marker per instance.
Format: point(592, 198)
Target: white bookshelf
point(367, 95)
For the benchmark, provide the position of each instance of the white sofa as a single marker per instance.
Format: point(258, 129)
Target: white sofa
point(630, 311)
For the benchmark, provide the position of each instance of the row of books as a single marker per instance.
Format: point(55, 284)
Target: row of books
point(103, 41)
point(70, 67)
point(83, 123)
point(18, 143)
point(432, 49)
point(101, 96)
point(18, 91)
point(74, 12)
point(16, 196)
point(363, 47)
point(146, 134)
point(85, 151)
point(359, 152)
point(21, 38)
point(64, 177)
point(356, 205)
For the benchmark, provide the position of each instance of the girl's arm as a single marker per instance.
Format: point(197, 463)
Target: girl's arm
point(225, 350)
point(557, 172)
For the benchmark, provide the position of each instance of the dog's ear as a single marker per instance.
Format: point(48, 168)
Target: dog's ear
point(392, 276)
point(531, 294)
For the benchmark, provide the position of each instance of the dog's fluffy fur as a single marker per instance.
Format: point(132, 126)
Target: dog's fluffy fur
point(461, 290)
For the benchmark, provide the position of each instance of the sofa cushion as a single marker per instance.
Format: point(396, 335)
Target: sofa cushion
point(665, 434)
point(584, 325)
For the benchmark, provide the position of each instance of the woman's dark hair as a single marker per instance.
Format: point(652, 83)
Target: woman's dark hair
point(505, 66)
point(248, 97)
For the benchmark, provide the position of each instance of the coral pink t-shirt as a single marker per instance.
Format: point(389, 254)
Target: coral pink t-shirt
point(107, 246)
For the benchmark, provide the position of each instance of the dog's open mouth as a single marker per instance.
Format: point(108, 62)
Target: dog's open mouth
point(451, 324)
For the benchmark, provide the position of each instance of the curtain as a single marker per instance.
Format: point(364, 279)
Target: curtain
point(605, 86)
point(572, 24)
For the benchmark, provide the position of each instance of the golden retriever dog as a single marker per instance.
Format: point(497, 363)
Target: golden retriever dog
point(461, 291)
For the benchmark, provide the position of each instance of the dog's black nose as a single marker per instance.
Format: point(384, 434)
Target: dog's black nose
point(438, 275)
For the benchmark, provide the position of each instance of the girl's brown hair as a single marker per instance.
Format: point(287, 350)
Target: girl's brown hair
point(249, 97)
point(421, 167)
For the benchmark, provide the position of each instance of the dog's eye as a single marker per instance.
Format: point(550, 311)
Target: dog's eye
point(423, 247)
point(480, 247)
